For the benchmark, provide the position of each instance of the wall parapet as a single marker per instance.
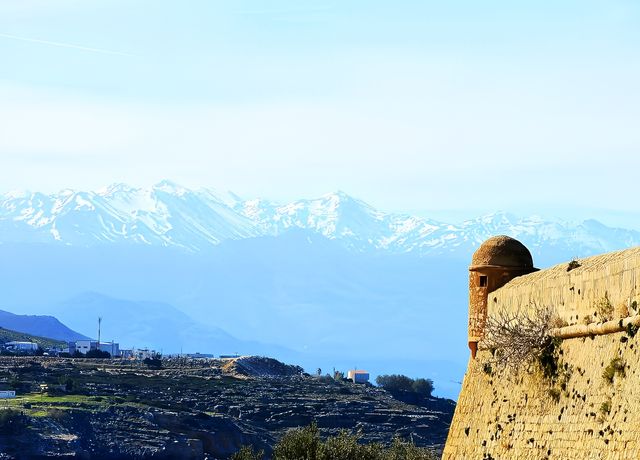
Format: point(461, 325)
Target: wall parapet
point(612, 279)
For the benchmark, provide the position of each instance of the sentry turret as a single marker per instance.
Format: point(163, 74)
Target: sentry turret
point(496, 262)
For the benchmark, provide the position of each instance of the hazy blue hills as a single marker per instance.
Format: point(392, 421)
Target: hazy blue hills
point(155, 325)
point(38, 325)
point(327, 282)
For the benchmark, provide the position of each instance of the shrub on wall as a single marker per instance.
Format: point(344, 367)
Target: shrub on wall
point(604, 309)
point(615, 367)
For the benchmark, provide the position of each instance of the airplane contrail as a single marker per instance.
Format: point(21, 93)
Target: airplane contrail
point(66, 45)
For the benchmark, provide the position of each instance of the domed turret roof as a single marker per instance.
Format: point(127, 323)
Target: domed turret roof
point(502, 251)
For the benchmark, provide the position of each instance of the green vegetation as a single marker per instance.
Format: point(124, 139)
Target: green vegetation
point(11, 421)
point(615, 367)
point(247, 453)
point(549, 356)
point(306, 444)
point(605, 407)
point(631, 330)
point(554, 393)
point(403, 383)
point(604, 308)
point(553, 369)
point(573, 265)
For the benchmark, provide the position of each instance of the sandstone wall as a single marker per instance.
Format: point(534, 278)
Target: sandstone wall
point(576, 293)
point(582, 415)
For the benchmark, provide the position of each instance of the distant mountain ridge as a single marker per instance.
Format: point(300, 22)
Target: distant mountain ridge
point(168, 214)
point(151, 324)
point(38, 325)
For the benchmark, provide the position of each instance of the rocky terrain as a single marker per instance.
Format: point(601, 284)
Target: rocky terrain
point(192, 409)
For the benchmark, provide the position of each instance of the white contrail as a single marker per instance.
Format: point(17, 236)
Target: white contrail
point(66, 45)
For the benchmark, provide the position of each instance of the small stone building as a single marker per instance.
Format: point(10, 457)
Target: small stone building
point(496, 262)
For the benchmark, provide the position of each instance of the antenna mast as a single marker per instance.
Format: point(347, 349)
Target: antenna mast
point(99, 323)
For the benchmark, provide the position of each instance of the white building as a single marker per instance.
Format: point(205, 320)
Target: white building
point(85, 346)
point(112, 348)
point(358, 376)
point(22, 346)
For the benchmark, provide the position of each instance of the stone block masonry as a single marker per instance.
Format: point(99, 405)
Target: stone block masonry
point(576, 294)
point(593, 411)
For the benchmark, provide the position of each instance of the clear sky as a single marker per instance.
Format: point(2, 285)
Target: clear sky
point(409, 105)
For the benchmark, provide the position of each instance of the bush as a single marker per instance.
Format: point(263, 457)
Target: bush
point(615, 367)
point(58, 414)
point(604, 309)
point(423, 386)
point(247, 453)
point(403, 383)
point(326, 379)
point(346, 447)
point(11, 421)
point(573, 265)
point(306, 444)
point(395, 382)
point(407, 451)
point(68, 382)
point(299, 443)
point(605, 407)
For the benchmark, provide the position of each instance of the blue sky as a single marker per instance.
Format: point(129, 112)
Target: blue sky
point(410, 105)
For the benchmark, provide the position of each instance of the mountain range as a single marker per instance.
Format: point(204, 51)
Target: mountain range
point(170, 215)
point(326, 282)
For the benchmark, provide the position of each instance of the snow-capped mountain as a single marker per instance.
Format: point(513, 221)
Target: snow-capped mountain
point(167, 214)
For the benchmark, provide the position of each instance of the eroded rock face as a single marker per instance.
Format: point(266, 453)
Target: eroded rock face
point(196, 409)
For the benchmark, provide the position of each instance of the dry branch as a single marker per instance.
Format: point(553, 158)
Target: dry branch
point(517, 338)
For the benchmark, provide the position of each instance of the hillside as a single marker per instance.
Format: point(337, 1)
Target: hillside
point(7, 335)
point(39, 325)
point(202, 271)
point(196, 409)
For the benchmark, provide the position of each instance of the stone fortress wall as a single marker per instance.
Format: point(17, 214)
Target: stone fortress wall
point(587, 413)
point(575, 294)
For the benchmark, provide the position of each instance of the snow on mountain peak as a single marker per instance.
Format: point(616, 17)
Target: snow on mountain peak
point(168, 214)
point(170, 187)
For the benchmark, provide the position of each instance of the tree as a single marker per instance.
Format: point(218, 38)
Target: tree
point(423, 386)
point(307, 444)
point(247, 453)
point(395, 382)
